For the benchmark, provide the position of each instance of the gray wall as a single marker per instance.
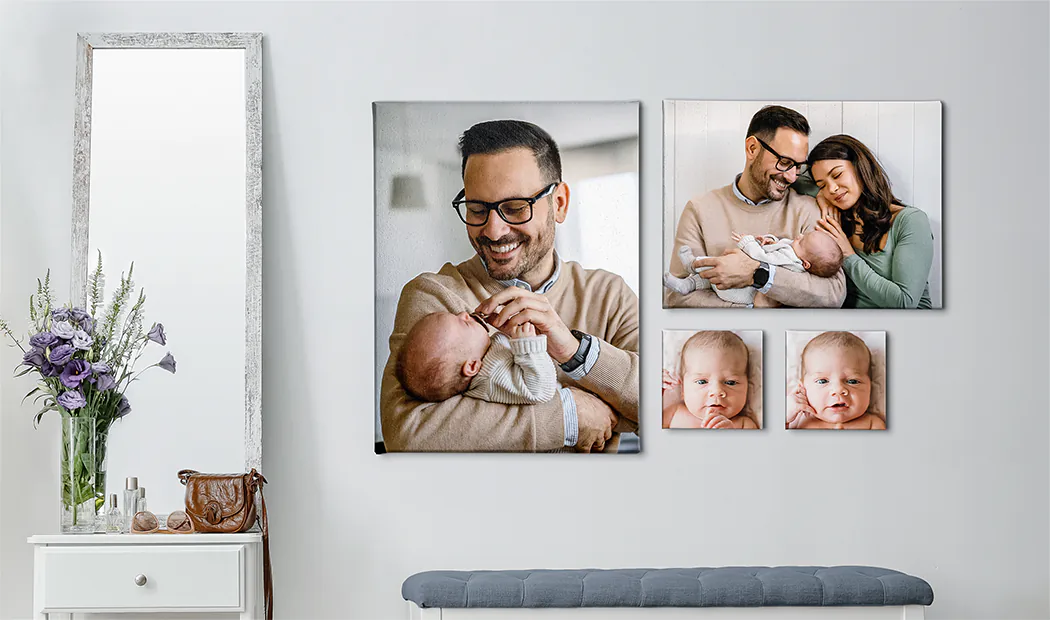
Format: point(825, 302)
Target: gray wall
point(955, 492)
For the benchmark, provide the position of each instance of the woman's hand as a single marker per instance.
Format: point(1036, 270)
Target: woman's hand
point(832, 226)
point(799, 409)
point(826, 208)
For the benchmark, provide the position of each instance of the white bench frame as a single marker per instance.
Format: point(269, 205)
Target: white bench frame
point(897, 612)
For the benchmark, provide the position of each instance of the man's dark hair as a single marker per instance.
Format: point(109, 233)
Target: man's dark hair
point(496, 136)
point(765, 122)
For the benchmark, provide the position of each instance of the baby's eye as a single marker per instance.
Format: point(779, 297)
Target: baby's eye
point(731, 382)
point(821, 381)
point(853, 381)
point(701, 381)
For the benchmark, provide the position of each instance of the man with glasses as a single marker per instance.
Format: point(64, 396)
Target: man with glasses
point(759, 202)
point(512, 199)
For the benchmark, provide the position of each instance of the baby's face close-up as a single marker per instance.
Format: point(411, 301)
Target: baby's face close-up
point(466, 330)
point(714, 382)
point(838, 383)
point(798, 247)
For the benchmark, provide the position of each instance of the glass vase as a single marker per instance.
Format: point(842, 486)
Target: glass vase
point(77, 470)
point(101, 437)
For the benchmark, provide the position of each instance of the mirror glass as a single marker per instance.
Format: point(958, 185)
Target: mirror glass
point(167, 192)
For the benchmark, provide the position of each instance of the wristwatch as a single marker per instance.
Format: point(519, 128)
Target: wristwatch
point(581, 352)
point(761, 276)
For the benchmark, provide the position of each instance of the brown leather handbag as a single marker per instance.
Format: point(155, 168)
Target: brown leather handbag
point(225, 503)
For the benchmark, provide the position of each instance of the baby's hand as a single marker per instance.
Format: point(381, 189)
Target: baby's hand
point(767, 240)
point(671, 380)
point(799, 410)
point(718, 421)
point(737, 237)
point(524, 330)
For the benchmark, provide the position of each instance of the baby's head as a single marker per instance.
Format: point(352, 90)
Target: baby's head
point(836, 372)
point(714, 374)
point(441, 354)
point(820, 255)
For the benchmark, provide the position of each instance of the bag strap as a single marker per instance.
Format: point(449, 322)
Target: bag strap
point(184, 475)
point(257, 481)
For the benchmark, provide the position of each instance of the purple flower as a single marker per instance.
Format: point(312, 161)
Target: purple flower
point(63, 329)
point(167, 363)
point(101, 368)
point(157, 334)
point(75, 372)
point(123, 407)
point(88, 325)
point(72, 399)
point(81, 340)
point(60, 314)
point(78, 314)
point(105, 382)
point(43, 340)
point(34, 358)
point(61, 354)
point(48, 369)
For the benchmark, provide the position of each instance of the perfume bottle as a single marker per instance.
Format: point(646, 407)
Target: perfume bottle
point(131, 495)
point(114, 517)
point(141, 505)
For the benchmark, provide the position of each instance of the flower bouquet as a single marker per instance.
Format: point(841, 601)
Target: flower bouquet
point(85, 363)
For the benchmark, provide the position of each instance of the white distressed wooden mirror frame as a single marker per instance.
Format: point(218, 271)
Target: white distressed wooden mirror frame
point(251, 43)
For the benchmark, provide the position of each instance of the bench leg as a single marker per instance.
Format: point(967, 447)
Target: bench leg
point(415, 612)
point(913, 612)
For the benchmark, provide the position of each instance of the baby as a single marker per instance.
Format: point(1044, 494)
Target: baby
point(446, 354)
point(714, 383)
point(815, 252)
point(835, 389)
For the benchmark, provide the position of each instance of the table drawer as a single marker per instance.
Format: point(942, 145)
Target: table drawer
point(176, 576)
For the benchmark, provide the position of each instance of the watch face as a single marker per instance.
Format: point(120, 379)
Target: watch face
point(761, 277)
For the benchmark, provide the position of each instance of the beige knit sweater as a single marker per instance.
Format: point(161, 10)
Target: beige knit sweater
point(707, 225)
point(593, 301)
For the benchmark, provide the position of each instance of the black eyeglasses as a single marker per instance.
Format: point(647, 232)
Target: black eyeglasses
point(512, 210)
point(784, 163)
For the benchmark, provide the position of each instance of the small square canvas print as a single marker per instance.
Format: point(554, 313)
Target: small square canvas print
point(712, 379)
point(826, 204)
point(506, 277)
point(836, 380)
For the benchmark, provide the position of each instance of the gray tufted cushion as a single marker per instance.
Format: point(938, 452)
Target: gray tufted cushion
point(669, 587)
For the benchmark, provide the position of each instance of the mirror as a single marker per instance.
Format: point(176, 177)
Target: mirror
point(167, 175)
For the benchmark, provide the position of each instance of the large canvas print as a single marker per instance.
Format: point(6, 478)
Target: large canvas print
point(802, 204)
point(506, 277)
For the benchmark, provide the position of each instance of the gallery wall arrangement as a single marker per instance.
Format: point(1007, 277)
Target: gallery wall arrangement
point(531, 211)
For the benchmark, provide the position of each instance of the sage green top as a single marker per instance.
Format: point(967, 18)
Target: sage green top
point(898, 275)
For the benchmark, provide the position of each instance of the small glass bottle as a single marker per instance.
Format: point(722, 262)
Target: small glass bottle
point(140, 506)
point(114, 517)
point(131, 495)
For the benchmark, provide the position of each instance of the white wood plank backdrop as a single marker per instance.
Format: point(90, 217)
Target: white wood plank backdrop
point(704, 150)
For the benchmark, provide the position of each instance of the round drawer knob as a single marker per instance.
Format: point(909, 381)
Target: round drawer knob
point(140, 580)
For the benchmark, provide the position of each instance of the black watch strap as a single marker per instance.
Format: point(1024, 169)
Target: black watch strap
point(580, 356)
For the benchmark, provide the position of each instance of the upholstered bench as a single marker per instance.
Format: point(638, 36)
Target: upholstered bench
point(738, 593)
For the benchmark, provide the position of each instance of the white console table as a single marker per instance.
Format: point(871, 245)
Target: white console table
point(139, 573)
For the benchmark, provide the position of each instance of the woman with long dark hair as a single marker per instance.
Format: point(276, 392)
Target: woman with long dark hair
point(887, 246)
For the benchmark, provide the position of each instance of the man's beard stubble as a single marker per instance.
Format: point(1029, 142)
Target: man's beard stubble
point(764, 184)
point(531, 253)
